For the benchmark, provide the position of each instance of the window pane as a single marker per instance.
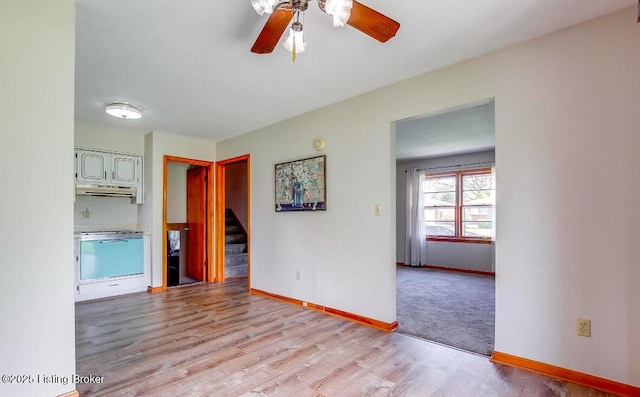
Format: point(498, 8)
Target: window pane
point(445, 229)
point(439, 214)
point(478, 182)
point(443, 184)
point(439, 199)
point(476, 229)
point(479, 197)
point(478, 214)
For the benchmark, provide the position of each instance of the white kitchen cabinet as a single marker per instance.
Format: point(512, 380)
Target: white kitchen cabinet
point(105, 168)
point(104, 173)
point(91, 167)
point(125, 169)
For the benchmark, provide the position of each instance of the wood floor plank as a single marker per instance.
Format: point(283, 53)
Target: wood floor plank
point(219, 340)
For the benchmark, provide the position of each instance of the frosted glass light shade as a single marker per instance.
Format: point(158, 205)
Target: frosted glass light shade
point(263, 6)
point(340, 10)
point(301, 46)
point(124, 111)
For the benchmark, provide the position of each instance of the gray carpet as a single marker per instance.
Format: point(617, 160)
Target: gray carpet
point(452, 308)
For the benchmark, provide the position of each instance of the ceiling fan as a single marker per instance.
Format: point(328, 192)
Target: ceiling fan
point(350, 12)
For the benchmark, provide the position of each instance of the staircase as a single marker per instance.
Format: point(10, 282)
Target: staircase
point(235, 247)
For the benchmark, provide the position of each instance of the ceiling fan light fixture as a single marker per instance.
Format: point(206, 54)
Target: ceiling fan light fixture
point(340, 10)
point(264, 6)
point(295, 42)
point(123, 111)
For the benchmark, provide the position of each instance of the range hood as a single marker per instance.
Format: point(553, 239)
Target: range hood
point(106, 191)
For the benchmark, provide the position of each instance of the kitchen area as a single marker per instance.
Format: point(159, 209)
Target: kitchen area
point(112, 252)
point(129, 200)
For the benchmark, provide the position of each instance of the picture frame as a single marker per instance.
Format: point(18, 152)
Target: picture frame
point(300, 185)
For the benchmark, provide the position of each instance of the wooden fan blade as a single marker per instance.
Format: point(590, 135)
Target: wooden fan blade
point(272, 31)
point(372, 23)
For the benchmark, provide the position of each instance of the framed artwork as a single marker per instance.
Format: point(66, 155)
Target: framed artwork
point(301, 185)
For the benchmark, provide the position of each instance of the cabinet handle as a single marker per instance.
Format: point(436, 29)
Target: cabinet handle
point(105, 175)
point(113, 240)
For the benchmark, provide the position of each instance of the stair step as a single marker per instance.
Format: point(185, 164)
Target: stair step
point(233, 229)
point(235, 259)
point(236, 271)
point(235, 238)
point(235, 248)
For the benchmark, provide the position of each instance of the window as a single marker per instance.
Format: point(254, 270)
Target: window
point(459, 206)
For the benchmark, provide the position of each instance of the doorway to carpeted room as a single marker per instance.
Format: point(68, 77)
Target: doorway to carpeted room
point(448, 307)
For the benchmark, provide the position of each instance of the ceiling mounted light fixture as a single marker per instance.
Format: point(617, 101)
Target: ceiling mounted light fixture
point(123, 111)
point(295, 42)
point(340, 10)
point(264, 6)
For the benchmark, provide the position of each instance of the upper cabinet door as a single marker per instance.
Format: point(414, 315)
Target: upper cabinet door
point(125, 170)
point(105, 168)
point(92, 167)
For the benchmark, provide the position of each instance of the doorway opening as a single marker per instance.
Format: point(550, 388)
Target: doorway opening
point(232, 218)
point(187, 221)
point(445, 196)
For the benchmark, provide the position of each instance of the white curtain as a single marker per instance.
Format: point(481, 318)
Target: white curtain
point(493, 215)
point(415, 250)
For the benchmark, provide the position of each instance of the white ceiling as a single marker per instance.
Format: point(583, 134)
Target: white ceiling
point(187, 64)
point(464, 130)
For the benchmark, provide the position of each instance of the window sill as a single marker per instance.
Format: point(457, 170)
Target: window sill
point(460, 240)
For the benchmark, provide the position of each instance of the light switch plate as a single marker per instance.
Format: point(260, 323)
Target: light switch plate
point(378, 210)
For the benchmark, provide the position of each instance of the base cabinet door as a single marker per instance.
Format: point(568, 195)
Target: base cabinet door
point(110, 266)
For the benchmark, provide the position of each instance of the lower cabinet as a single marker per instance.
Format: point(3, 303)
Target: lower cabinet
point(109, 265)
point(110, 287)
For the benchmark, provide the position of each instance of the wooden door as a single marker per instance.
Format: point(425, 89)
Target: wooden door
point(196, 222)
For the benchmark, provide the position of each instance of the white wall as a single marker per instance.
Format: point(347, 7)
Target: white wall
point(177, 192)
point(447, 254)
point(94, 137)
point(157, 145)
point(106, 212)
point(235, 177)
point(566, 149)
point(346, 255)
point(37, 335)
point(467, 256)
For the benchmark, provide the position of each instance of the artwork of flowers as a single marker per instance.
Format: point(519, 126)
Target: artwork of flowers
point(300, 185)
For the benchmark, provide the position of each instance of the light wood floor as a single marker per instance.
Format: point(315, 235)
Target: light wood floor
point(218, 340)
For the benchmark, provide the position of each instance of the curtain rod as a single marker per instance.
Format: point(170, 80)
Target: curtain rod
point(491, 163)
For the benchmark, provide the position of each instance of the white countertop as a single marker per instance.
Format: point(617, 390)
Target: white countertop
point(110, 228)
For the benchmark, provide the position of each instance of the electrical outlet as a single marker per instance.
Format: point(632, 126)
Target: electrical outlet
point(85, 214)
point(298, 275)
point(584, 327)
